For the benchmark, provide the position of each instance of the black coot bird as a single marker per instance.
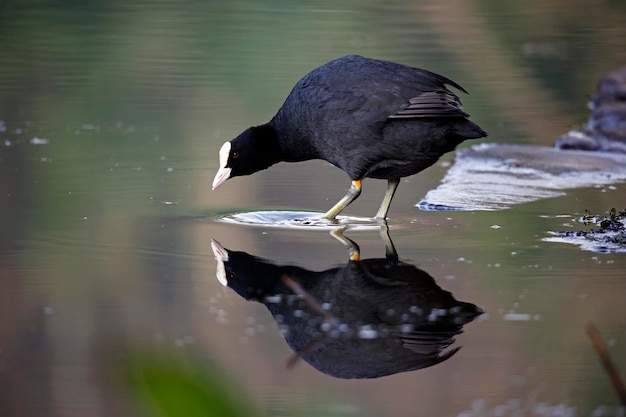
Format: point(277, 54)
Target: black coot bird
point(369, 117)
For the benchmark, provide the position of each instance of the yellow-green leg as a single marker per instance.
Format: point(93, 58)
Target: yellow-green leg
point(392, 185)
point(351, 195)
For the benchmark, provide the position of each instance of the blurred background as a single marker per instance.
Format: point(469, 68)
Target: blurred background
point(111, 116)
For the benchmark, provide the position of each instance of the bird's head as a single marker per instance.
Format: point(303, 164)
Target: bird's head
point(254, 149)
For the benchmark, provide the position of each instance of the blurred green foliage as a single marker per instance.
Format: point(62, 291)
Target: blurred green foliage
point(166, 388)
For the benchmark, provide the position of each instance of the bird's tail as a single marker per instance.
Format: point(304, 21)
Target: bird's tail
point(469, 130)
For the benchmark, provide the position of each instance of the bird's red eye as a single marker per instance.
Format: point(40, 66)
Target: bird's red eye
point(235, 155)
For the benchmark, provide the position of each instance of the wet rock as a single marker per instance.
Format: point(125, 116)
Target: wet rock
point(494, 176)
point(607, 233)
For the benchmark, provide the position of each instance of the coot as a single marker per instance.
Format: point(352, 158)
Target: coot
point(369, 117)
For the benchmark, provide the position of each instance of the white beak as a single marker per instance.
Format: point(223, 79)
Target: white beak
point(223, 173)
point(221, 256)
point(220, 178)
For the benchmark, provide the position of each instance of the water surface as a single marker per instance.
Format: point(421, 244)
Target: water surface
point(111, 116)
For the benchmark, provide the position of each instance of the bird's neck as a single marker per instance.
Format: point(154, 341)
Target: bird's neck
point(296, 145)
point(267, 145)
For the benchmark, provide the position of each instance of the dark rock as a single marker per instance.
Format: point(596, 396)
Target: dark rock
point(606, 128)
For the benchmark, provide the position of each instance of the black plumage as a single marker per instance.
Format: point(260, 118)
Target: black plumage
point(371, 118)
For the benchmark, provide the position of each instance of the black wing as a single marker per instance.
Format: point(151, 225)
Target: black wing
point(438, 103)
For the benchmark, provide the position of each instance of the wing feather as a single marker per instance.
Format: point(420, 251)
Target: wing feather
point(438, 103)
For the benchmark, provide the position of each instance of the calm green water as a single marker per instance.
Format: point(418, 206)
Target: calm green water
point(111, 116)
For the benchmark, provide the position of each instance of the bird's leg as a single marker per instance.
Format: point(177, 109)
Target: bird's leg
point(351, 195)
point(392, 185)
point(353, 248)
point(390, 250)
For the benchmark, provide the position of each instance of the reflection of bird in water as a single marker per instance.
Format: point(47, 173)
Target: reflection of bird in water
point(367, 319)
point(369, 117)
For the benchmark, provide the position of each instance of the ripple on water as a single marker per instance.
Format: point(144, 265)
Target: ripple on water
point(299, 220)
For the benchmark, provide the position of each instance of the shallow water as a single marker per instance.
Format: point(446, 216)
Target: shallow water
point(110, 122)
